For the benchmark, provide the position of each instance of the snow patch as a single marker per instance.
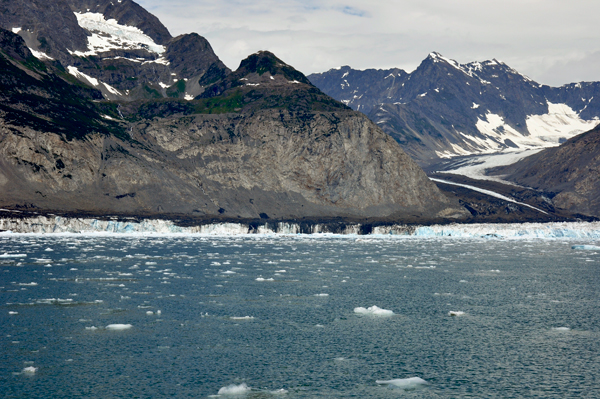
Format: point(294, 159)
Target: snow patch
point(40, 55)
point(16, 30)
point(561, 122)
point(110, 35)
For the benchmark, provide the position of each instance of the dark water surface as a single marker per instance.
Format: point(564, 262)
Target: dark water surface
point(274, 317)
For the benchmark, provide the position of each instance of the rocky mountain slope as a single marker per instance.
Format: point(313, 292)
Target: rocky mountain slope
point(570, 173)
point(258, 143)
point(115, 46)
point(445, 109)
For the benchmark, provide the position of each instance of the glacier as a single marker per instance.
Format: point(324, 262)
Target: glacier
point(63, 225)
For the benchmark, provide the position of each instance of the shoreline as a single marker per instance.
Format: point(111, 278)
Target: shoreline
point(51, 225)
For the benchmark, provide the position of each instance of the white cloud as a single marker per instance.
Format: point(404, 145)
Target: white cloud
point(548, 40)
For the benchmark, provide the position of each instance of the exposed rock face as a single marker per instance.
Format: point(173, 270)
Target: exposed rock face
point(444, 108)
point(117, 47)
point(264, 143)
point(571, 172)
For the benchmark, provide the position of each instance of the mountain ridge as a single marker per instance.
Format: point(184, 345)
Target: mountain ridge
point(445, 109)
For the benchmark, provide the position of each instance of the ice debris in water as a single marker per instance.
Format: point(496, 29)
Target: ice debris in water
point(562, 329)
point(118, 326)
point(11, 312)
point(456, 313)
point(242, 318)
point(234, 389)
point(264, 279)
point(407, 384)
point(92, 328)
point(374, 311)
point(30, 370)
point(586, 247)
point(7, 255)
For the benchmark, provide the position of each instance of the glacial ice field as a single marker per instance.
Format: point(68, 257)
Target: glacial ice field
point(298, 316)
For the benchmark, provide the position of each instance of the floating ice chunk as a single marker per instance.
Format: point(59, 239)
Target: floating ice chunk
point(49, 250)
point(279, 391)
point(456, 313)
point(229, 272)
point(7, 255)
point(30, 370)
point(92, 328)
point(406, 384)
point(149, 313)
point(118, 326)
point(321, 294)
point(562, 329)
point(586, 247)
point(280, 271)
point(242, 318)
point(264, 279)
point(13, 313)
point(374, 311)
point(234, 389)
point(158, 312)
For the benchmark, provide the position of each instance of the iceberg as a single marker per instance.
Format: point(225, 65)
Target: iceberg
point(374, 311)
point(456, 313)
point(118, 326)
point(586, 247)
point(30, 370)
point(234, 389)
point(406, 384)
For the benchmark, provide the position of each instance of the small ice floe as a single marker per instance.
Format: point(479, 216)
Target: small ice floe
point(118, 326)
point(280, 271)
point(235, 389)
point(242, 318)
point(406, 384)
point(586, 247)
point(150, 313)
point(7, 255)
point(279, 391)
point(264, 279)
point(561, 329)
point(32, 284)
point(30, 370)
point(13, 313)
point(49, 250)
point(228, 272)
point(92, 328)
point(463, 281)
point(374, 311)
point(456, 313)
point(321, 294)
point(158, 312)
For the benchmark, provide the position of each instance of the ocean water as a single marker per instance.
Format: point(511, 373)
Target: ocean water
point(297, 317)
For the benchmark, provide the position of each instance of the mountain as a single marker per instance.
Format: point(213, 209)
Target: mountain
point(569, 173)
point(115, 46)
point(259, 143)
point(445, 109)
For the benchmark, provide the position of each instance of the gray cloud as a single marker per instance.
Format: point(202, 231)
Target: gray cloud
point(552, 41)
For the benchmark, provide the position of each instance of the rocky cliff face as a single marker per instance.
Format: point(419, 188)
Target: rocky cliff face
point(445, 109)
point(570, 173)
point(260, 143)
point(117, 47)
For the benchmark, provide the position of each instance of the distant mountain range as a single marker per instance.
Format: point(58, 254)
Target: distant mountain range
point(445, 109)
point(102, 112)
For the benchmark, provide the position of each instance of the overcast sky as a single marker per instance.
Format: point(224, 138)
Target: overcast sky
point(552, 41)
